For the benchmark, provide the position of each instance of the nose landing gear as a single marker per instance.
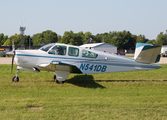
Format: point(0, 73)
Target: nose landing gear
point(16, 78)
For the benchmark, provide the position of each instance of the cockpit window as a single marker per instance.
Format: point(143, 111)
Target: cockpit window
point(46, 47)
point(73, 51)
point(89, 54)
point(58, 50)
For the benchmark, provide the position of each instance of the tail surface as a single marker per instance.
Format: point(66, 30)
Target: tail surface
point(147, 53)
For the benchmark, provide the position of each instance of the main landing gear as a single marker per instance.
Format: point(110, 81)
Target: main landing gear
point(56, 80)
point(16, 78)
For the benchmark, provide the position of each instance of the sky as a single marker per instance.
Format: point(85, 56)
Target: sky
point(146, 17)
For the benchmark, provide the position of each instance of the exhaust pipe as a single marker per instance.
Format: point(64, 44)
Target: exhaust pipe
point(36, 69)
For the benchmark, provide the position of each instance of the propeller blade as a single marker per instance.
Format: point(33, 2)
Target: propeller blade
point(12, 62)
point(13, 49)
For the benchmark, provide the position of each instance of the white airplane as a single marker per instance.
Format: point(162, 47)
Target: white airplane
point(64, 59)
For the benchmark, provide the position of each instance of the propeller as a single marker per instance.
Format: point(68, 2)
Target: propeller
point(12, 61)
point(13, 49)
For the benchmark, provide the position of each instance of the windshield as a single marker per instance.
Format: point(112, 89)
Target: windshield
point(46, 47)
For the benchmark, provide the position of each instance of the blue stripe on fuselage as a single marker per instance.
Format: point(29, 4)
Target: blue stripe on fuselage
point(90, 60)
point(50, 57)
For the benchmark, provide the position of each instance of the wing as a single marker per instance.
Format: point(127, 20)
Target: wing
point(59, 66)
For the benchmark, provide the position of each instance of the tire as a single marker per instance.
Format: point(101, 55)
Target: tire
point(56, 81)
point(14, 79)
point(54, 76)
point(60, 82)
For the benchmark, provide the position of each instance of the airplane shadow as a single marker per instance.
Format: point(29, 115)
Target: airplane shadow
point(130, 80)
point(84, 81)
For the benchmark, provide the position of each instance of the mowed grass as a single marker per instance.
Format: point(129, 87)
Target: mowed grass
point(123, 95)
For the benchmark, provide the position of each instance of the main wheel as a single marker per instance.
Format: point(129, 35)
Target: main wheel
point(54, 76)
point(57, 81)
point(15, 79)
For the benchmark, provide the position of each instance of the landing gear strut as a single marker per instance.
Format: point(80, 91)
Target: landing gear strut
point(16, 78)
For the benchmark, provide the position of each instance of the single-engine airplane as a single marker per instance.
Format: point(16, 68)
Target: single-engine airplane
point(63, 59)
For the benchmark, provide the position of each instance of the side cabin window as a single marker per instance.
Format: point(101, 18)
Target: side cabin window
point(73, 51)
point(58, 50)
point(89, 54)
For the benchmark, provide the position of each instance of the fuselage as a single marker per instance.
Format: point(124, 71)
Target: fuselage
point(86, 60)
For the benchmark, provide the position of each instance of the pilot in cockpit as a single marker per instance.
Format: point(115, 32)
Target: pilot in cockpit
point(59, 50)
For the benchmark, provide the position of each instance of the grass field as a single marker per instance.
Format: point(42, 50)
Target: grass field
point(124, 95)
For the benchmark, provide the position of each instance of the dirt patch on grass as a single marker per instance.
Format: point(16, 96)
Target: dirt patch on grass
point(35, 108)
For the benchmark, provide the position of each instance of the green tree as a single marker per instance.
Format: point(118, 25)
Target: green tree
point(87, 37)
point(161, 39)
point(121, 39)
point(80, 37)
point(153, 42)
point(16, 38)
point(26, 40)
point(118, 40)
point(129, 40)
point(72, 38)
point(59, 37)
point(141, 39)
point(66, 37)
point(49, 37)
point(8, 42)
point(3, 38)
point(37, 39)
point(106, 37)
point(44, 37)
point(98, 38)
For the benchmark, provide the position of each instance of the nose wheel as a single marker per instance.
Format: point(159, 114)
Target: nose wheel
point(16, 78)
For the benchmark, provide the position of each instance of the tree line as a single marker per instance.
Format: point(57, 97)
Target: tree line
point(121, 39)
